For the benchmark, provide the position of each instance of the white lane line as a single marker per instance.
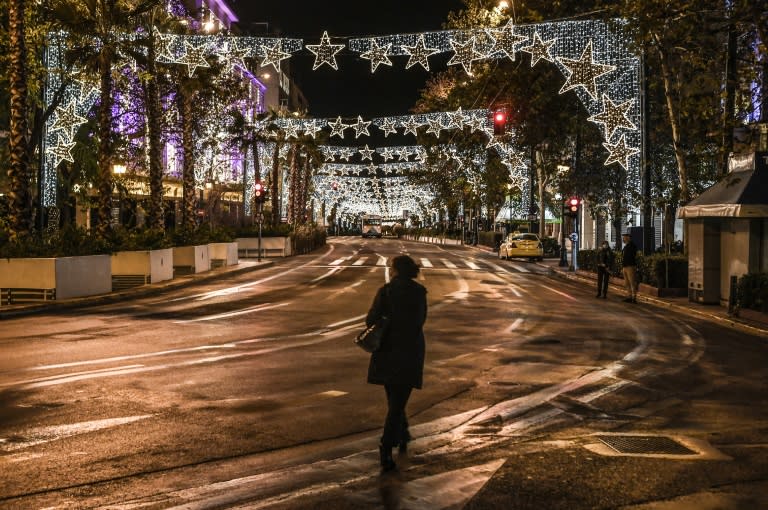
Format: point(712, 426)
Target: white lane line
point(471, 264)
point(514, 325)
point(426, 263)
point(360, 261)
point(497, 267)
point(463, 287)
point(39, 435)
point(326, 275)
point(448, 263)
point(560, 293)
point(519, 268)
point(259, 308)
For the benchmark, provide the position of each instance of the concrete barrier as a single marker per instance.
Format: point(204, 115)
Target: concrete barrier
point(270, 246)
point(39, 279)
point(191, 259)
point(223, 254)
point(150, 265)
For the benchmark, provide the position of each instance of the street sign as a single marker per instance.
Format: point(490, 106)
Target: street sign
point(532, 217)
point(574, 237)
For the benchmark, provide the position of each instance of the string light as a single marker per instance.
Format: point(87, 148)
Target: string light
point(325, 52)
point(377, 55)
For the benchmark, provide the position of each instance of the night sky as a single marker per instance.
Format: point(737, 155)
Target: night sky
point(352, 90)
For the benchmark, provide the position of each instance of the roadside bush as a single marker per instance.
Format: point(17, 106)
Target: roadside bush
point(70, 241)
point(122, 239)
point(658, 270)
point(307, 238)
point(752, 292)
point(490, 238)
point(551, 246)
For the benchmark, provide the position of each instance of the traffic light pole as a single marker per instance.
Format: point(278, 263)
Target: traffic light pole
point(260, 219)
point(563, 255)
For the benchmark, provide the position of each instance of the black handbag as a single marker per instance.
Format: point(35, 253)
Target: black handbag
point(371, 337)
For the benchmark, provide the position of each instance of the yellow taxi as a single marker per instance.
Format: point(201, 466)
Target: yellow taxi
point(522, 245)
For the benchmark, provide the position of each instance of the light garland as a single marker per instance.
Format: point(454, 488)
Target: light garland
point(325, 52)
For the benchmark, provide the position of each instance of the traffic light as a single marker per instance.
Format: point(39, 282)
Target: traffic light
point(259, 192)
point(499, 122)
point(573, 206)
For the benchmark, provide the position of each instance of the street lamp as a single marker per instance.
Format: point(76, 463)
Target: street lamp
point(561, 170)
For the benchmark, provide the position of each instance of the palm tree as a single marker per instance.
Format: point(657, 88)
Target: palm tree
point(20, 214)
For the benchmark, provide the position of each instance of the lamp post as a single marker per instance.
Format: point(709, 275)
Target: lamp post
point(509, 207)
point(561, 171)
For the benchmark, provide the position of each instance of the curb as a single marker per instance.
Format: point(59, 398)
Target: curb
point(142, 291)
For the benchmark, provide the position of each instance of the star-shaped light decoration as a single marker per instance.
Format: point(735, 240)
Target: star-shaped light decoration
point(338, 127)
point(619, 152)
point(330, 155)
point(517, 181)
point(163, 51)
point(494, 141)
point(514, 160)
point(419, 53)
point(273, 55)
point(233, 55)
point(411, 125)
point(325, 52)
point(366, 153)
point(403, 154)
point(87, 87)
point(435, 126)
point(539, 49)
point(388, 126)
point(584, 72)
point(61, 151)
point(377, 55)
point(477, 123)
point(67, 120)
point(456, 119)
point(346, 153)
point(613, 116)
point(504, 40)
point(361, 127)
point(312, 128)
point(291, 130)
point(387, 154)
point(193, 57)
point(464, 54)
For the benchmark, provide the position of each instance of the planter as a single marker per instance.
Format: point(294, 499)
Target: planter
point(648, 290)
point(135, 268)
point(223, 254)
point(270, 246)
point(191, 259)
point(42, 279)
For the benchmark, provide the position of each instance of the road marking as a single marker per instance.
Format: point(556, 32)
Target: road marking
point(382, 261)
point(360, 261)
point(39, 435)
point(332, 393)
point(471, 264)
point(448, 263)
point(514, 325)
point(258, 308)
point(519, 268)
point(337, 262)
point(326, 275)
point(561, 293)
point(426, 263)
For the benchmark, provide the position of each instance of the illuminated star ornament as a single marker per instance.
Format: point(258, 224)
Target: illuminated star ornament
point(361, 127)
point(67, 120)
point(613, 116)
point(388, 126)
point(325, 52)
point(338, 127)
point(464, 54)
point(539, 49)
point(163, 46)
point(273, 55)
point(435, 127)
point(193, 57)
point(410, 126)
point(87, 87)
point(61, 151)
point(584, 72)
point(235, 56)
point(505, 39)
point(620, 153)
point(377, 55)
point(419, 53)
point(367, 153)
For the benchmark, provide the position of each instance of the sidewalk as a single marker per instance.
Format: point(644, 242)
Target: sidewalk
point(244, 266)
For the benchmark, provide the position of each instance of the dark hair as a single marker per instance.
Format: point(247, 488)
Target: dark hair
point(405, 266)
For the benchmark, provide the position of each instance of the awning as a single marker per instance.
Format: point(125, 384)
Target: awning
point(743, 193)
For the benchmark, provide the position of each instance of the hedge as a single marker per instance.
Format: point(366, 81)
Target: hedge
point(658, 269)
point(752, 292)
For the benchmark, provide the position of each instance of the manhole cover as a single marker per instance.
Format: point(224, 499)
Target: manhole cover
point(646, 445)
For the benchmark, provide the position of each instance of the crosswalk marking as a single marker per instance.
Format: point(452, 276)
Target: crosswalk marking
point(337, 262)
point(360, 261)
point(382, 261)
point(426, 263)
point(448, 263)
point(471, 264)
point(520, 268)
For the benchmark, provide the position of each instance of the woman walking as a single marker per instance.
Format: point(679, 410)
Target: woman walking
point(399, 364)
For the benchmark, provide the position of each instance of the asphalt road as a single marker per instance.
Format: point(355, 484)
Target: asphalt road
point(248, 392)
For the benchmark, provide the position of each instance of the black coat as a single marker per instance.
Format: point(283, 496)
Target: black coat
point(400, 360)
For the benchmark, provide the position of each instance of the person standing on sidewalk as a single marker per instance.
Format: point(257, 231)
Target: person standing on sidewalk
point(629, 267)
point(398, 365)
point(604, 266)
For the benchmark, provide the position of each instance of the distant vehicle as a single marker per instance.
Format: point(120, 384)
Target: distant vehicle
point(522, 245)
point(370, 225)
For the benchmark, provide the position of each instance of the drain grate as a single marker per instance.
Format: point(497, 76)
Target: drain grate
point(646, 445)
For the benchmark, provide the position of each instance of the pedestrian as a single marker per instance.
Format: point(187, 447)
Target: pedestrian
point(604, 267)
point(399, 364)
point(629, 267)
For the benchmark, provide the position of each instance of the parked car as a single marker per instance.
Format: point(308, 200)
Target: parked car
point(522, 245)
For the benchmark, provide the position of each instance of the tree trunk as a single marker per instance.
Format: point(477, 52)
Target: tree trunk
point(105, 147)
point(666, 74)
point(154, 133)
point(293, 171)
point(275, 185)
point(20, 214)
point(188, 168)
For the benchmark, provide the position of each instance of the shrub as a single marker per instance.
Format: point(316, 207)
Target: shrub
point(664, 271)
point(752, 292)
point(490, 238)
point(307, 238)
point(68, 242)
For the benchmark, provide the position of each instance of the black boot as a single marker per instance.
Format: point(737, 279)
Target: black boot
point(406, 438)
point(385, 457)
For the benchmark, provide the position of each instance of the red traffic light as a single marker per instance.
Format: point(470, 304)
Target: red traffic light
point(573, 204)
point(259, 192)
point(499, 122)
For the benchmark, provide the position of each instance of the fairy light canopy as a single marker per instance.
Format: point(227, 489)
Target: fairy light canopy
point(592, 55)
